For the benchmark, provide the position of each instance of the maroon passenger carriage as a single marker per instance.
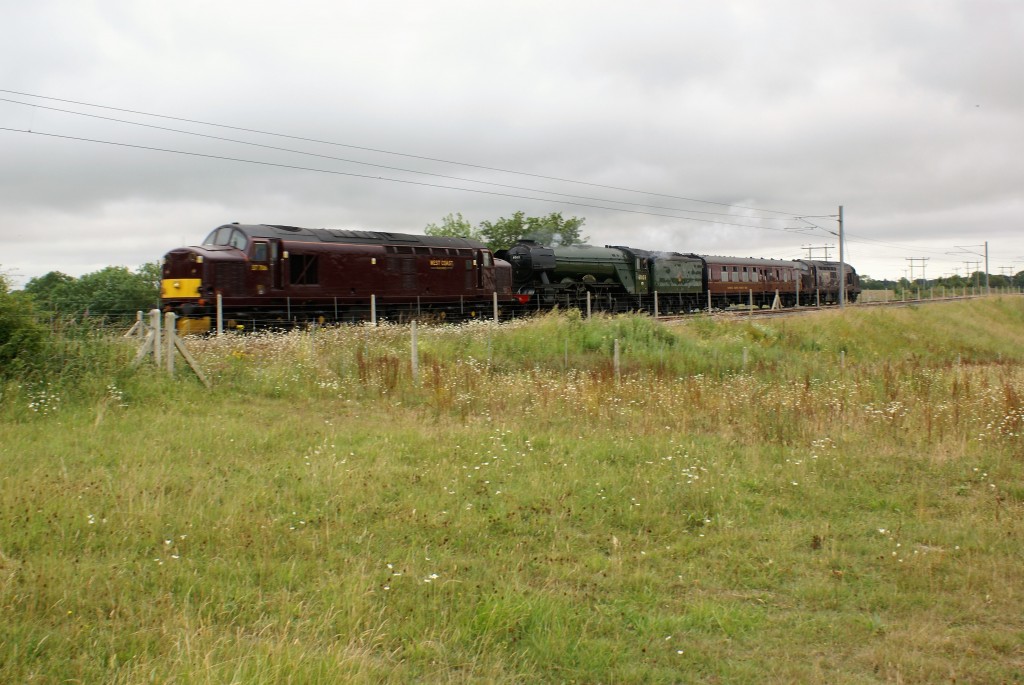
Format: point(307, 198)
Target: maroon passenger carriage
point(277, 275)
point(738, 280)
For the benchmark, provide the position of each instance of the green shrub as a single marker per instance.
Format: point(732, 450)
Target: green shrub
point(22, 338)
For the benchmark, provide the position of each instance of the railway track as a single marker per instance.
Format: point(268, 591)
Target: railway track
point(747, 313)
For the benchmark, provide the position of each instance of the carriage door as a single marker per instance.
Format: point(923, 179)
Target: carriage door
point(276, 265)
point(259, 267)
point(484, 262)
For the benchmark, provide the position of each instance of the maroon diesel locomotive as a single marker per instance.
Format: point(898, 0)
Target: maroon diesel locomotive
point(268, 274)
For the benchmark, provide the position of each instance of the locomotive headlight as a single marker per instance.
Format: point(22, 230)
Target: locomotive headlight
point(177, 285)
point(199, 259)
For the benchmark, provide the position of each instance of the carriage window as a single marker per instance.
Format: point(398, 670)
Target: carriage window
point(303, 269)
point(745, 276)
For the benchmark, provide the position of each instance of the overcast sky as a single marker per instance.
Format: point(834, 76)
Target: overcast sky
point(705, 126)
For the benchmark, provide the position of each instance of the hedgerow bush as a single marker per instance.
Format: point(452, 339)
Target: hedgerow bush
point(22, 338)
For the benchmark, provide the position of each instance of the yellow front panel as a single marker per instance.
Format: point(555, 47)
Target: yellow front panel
point(193, 326)
point(175, 288)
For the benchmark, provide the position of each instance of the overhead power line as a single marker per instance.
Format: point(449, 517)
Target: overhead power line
point(809, 225)
point(382, 178)
point(905, 248)
point(855, 238)
point(377, 166)
point(400, 154)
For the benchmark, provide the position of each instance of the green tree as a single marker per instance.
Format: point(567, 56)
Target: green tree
point(150, 274)
point(113, 291)
point(504, 233)
point(49, 289)
point(454, 226)
point(21, 337)
point(868, 283)
point(552, 229)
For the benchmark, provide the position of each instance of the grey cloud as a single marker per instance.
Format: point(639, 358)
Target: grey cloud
point(907, 114)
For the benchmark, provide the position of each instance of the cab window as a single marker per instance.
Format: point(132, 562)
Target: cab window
point(215, 234)
point(238, 240)
point(259, 252)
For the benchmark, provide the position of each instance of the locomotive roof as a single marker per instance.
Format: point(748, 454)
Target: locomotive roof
point(334, 235)
point(830, 265)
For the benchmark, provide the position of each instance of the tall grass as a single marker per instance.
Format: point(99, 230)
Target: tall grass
point(845, 506)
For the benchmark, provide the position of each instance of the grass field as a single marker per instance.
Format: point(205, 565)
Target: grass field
point(837, 498)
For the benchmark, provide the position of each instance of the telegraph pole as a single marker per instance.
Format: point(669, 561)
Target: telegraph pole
point(988, 290)
point(972, 271)
point(923, 263)
point(842, 263)
point(1007, 272)
point(963, 249)
point(810, 250)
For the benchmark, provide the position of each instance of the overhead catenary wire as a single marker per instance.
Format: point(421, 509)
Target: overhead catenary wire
point(382, 166)
point(861, 240)
point(896, 246)
point(854, 238)
point(400, 154)
point(381, 178)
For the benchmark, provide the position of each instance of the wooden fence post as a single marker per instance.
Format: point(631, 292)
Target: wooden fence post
point(154, 322)
point(415, 356)
point(169, 333)
point(138, 329)
point(615, 360)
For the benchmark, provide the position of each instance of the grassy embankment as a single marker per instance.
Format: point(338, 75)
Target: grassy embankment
point(520, 515)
